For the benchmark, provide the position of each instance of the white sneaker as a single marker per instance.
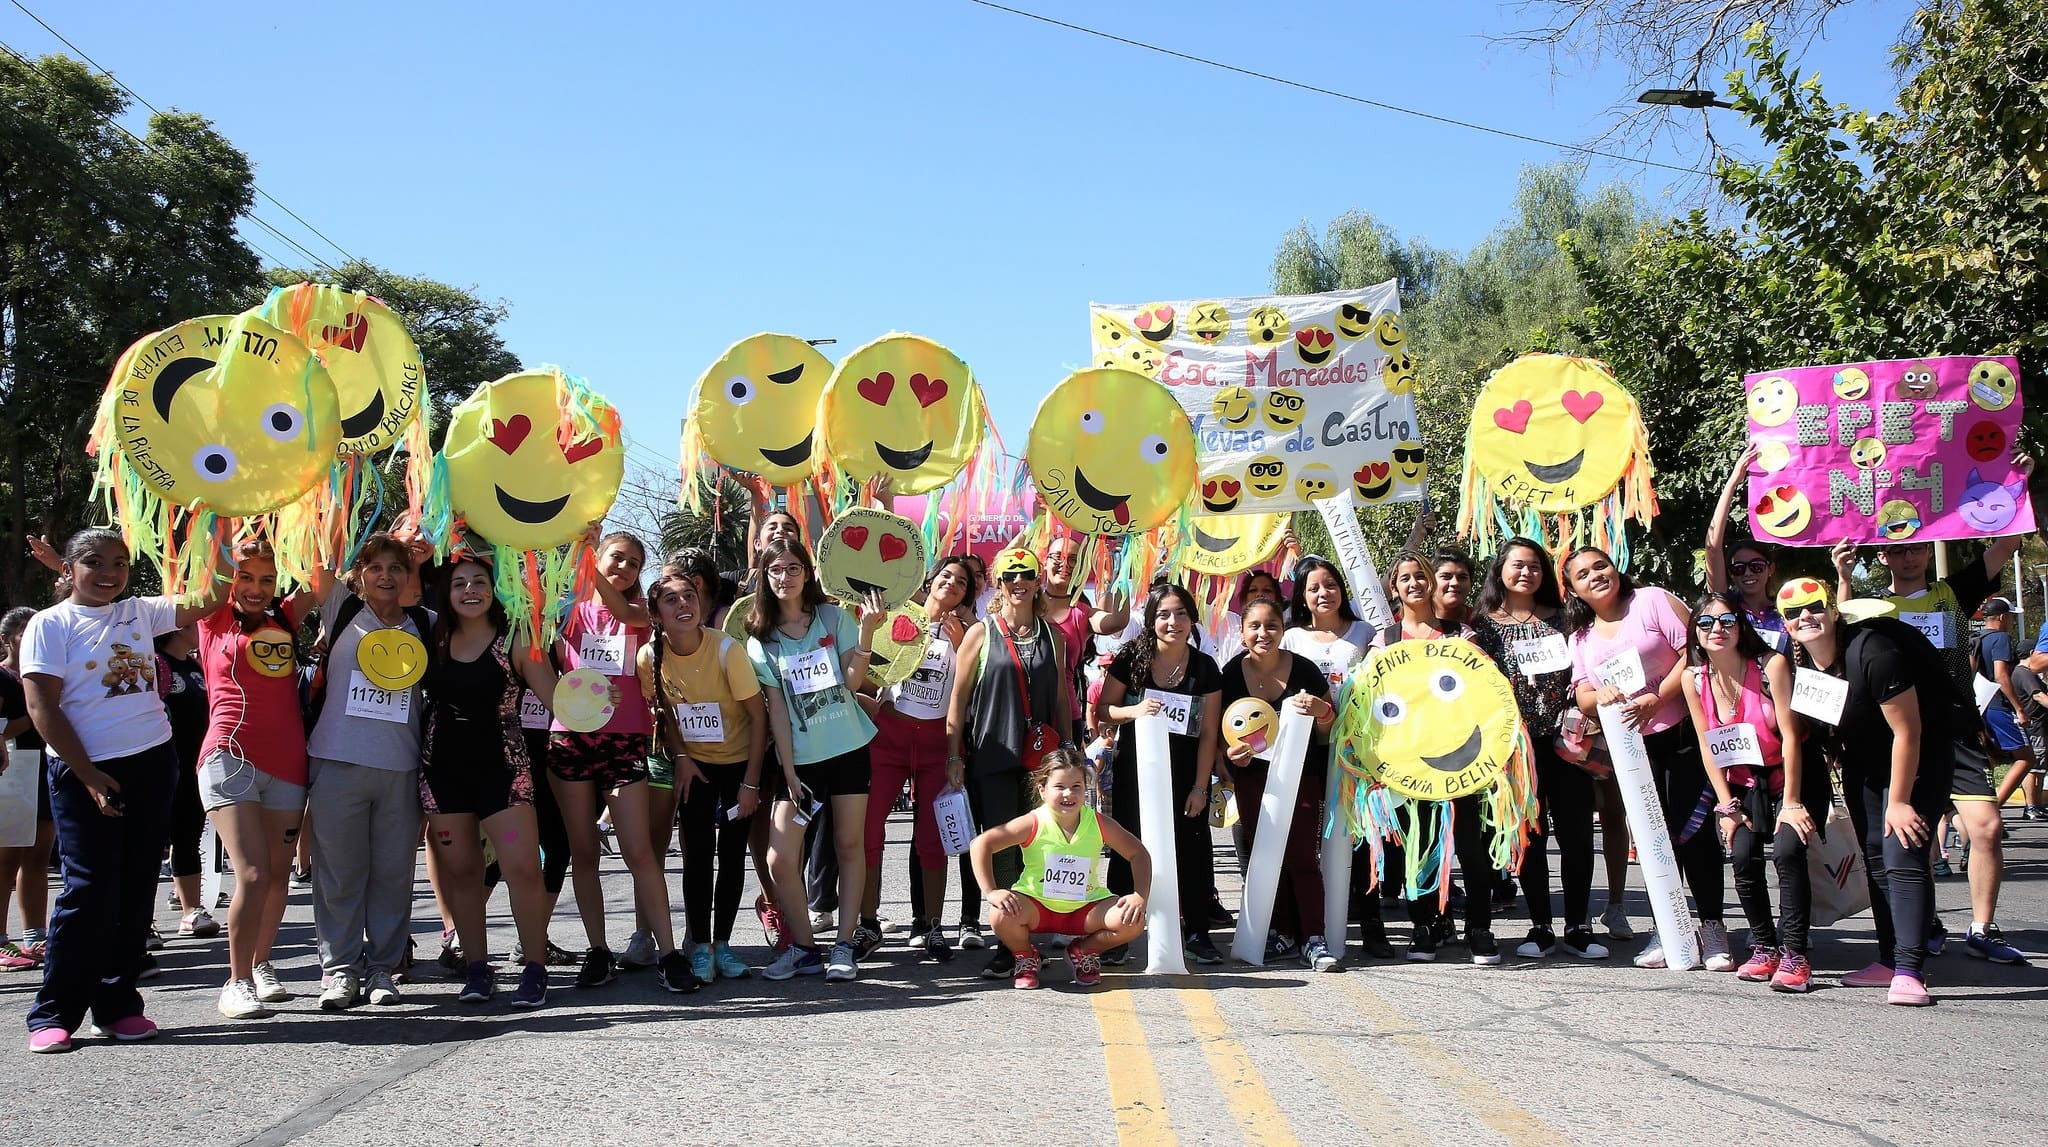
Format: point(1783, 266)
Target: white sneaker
point(639, 951)
point(821, 921)
point(269, 988)
point(383, 991)
point(1615, 920)
point(342, 992)
point(1714, 946)
point(1652, 956)
point(198, 924)
point(238, 1001)
point(842, 965)
point(970, 935)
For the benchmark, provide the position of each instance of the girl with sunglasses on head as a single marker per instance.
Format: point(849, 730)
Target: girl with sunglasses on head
point(1740, 694)
point(1743, 567)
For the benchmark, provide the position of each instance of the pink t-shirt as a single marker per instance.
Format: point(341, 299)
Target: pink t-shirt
point(593, 638)
point(1075, 629)
point(1652, 631)
point(251, 713)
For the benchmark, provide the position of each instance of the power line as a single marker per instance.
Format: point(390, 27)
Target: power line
point(137, 96)
point(1282, 80)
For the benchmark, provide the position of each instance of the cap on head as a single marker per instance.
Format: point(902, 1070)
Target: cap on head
point(1802, 591)
point(1995, 607)
point(1014, 562)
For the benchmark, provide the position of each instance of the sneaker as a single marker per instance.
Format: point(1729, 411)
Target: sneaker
point(867, 938)
point(238, 1001)
point(1794, 974)
point(675, 973)
point(937, 946)
point(1219, 916)
point(598, 968)
point(1280, 946)
point(132, 1029)
point(1118, 956)
point(1869, 976)
point(1446, 929)
point(1937, 941)
point(560, 957)
point(1087, 965)
point(1908, 992)
point(198, 924)
point(844, 964)
point(533, 987)
point(704, 963)
point(1652, 956)
point(1615, 920)
point(1485, 951)
point(920, 927)
point(640, 951)
point(1761, 965)
point(1714, 946)
point(1001, 963)
point(1942, 869)
point(302, 877)
point(1200, 949)
point(822, 921)
point(1990, 944)
point(795, 961)
point(48, 1041)
point(450, 958)
point(1540, 942)
point(1579, 942)
point(772, 927)
point(34, 947)
point(479, 985)
point(269, 988)
point(1422, 947)
point(970, 935)
point(14, 959)
point(150, 969)
point(1316, 955)
point(155, 942)
point(1025, 972)
point(342, 992)
point(1372, 938)
point(729, 965)
point(382, 988)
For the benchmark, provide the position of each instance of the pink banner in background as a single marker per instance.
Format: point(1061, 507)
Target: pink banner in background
point(989, 528)
point(1917, 449)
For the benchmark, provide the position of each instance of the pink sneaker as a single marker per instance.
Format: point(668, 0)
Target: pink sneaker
point(1087, 965)
point(1874, 976)
point(14, 959)
point(45, 1041)
point(1761, 965)
point(1908, 992)
point(133, 1029)
point(1026, 975)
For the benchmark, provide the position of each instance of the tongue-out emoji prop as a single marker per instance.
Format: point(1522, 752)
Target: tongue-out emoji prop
point(532, 462)
point(1556, 450)
point(1419, 725)
point(868, 551)
point(903, 413)
point(214, 429)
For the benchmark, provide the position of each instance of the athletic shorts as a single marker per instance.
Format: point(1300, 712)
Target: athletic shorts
point(1972, 779)
point(2005, 730)
point(481, 790)
point(609, 759)
point(225, 779)
point(1053, 923)
point(845, 775)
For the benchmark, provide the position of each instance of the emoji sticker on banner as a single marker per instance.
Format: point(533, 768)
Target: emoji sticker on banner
point(1219, 545)
point(1250, 722)
point(1437, 718)
point(1267, 326)
point(374, 362)
point(757, 406)
point(1283, 409)
point(1235, 407)
point(1411, 465)
point(270, 652)
point(1897, 520)
point(1553, 433)
point(1354, 321)
point(1154, 324)
point(1992, 385)
point(900, 644)
point(1984, 441)
point(1112, 452)
point(1142, 357)
point(1314, 345)
point(1772, 402)
point(1315, 481)
point(1397, 371)
point(903, 409)
point(1990, 506)
point(583, 700)
point(1221, 495)
point(1373, 482)
point(533, 459)
point(1267, 476)
point(867, 551)
point(1208, 322)
point(1852, 384)
point(1783, 511)
point(391, 658)
point(1916, 383)
point(226, 413)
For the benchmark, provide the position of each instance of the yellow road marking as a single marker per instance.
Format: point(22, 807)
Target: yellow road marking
point(1243, 1087)
point(1134, 1090)
point(1486, 1102)
point(1369, 1107)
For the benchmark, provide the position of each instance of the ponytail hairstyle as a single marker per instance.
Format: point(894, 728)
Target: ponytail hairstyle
point(633, 593)
point(82, 543)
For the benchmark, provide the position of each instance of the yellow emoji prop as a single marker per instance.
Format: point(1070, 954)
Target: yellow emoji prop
point(1112, 452)
point(903, 410)
point(1208, 322)
point(375, 365)
point(1991, 385)
point(583, 700)
point(756, 409)
point(866, 551)
point(1252, 723)
point(270, 652)
point(392, 659)
point(900, 644)
point(1217, 544)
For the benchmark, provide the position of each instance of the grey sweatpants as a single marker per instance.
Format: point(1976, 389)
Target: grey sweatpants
point(366, 837)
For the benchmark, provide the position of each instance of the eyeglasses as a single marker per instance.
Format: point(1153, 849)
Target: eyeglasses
point(1813, 607)
point(1712, 621)
point(1743, 569)
point(780, 572)
point(1016, 576)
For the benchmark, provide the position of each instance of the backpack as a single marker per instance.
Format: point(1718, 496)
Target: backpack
point(313, 687)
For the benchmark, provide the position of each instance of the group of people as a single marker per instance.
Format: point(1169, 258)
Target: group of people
point(742, 714)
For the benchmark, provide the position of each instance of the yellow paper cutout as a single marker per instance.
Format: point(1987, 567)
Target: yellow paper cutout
point(533, 462)
point(1432, 720)
point(1112, 452)
point(903, 409)
point(373, 360)
point(757, 406)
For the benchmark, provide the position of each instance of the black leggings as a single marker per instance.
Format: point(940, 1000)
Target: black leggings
point(1789, 856)
point(1195, 867)
point(188, 823)
point(1468, 843)
point(1681, 782)
point(706, 833)
point(1746, 853)
point(1566, 794)
point(547, 815)
point(1901, 884)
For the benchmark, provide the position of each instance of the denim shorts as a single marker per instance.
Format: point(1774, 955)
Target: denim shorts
point(225, 779)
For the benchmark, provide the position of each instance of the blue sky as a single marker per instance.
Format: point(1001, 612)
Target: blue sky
point(646, 183)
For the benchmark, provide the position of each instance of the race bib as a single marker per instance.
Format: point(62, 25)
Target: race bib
point(604, 652)
point(701, 724)
point(812, 671)
point(1987, 692)
point(1933, 625)
point(1177, 708)
point(533, 714)
point(1546, 654)
point(367, 700)
point(1819, 696)
point(1065, 877)
point(1737, 744)
point(1624, 671)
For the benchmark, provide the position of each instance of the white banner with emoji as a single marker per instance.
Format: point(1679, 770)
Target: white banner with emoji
point(1293, 397)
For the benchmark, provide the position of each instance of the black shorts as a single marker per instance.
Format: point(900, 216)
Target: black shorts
point(841, 776)
point(1972, 779)
point(480, 789)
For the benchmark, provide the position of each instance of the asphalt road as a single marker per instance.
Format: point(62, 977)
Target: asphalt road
point(1530, 1052)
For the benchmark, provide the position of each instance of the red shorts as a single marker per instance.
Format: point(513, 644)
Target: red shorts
point(1053, 923)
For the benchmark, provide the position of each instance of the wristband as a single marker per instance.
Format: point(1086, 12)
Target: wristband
point(745, 785)
point(1732, 808)
point(1792, 806)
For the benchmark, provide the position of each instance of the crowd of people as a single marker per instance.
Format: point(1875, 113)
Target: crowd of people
point(743, 719)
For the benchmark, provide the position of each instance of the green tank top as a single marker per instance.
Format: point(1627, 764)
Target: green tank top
point(1062, 873)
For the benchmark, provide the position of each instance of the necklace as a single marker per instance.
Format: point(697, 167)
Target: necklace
point(1022, 632)
point(1518, 617)
point(1727, 690)
point(1177, 674)
point(1274, 684)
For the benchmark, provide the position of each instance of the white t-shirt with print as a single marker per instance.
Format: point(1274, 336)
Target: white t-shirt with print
point(1334, 658)
point(106, 657)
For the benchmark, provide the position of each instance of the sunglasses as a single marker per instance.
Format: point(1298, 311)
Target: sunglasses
point(1711, 621)
point(1813, 607)
point(1741, 569)
point(1016, 576)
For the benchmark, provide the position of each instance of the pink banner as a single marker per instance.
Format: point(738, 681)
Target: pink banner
point(989, 528)
point(1915, 449)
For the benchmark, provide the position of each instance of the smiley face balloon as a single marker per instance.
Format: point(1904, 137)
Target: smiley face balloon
point(865, 551)
point(226, 413)
point(1432, 720)
point(375, 364)
point(757, 406)
point(903, 409)
point(1112, 452)
point(534, 459)
point(1553, 432)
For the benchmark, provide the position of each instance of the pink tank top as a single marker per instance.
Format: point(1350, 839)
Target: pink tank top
point(1756, 711)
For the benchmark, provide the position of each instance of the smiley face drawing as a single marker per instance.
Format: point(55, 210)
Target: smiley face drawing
point(1314, 345)
point(1411, 465)
point(1852, 383)
point(1235, 407)
point(1553, 433)
point(1897, 520)
point(1208, 323)
point(392, 659)
point(1218, 545)
point(1221, 495)
point(1773, 455)
point(1267, 326)
point(533, 459)
point(1154, 323)
point(1283, 408)
point(1112, 452)
point(1783, 511)
point(1992, 385)
point(373, 360)
point(1266, 476)
point(866, 551)
point(1250, 722)
point(1110, 332)
point(900, 645)
point(1315, 481)
point(1866, 453)
point(1397, 372)
point(583, 701)
point(1984, 441)
point(757, 406)
point(1916, 383)
point(1373, 481)
point(905, 410)
point(270, 652)
point(1387, 332)
point(227, 413)
point(1354, 321)
point(1136, 355)
point(1773, 401)
point(1435, 720)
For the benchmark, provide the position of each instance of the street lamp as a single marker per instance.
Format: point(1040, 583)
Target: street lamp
point(1683, 98)
point(821, 342)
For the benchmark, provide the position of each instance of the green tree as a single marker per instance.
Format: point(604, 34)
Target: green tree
point(102, 239)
